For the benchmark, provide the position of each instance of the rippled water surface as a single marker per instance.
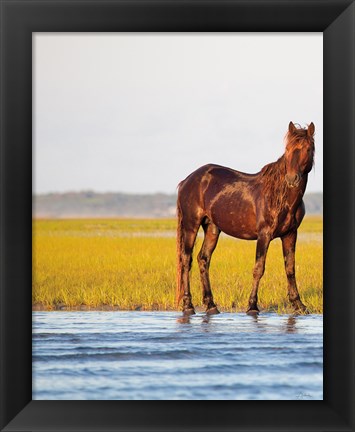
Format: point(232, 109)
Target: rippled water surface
point(159, 355)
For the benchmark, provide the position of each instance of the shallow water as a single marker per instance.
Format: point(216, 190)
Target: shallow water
point(160, 355)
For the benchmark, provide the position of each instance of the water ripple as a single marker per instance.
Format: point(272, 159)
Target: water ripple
point(158, 355)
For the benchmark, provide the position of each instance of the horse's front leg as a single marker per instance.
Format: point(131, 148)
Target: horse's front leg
point(288, 249)
point(262, 246)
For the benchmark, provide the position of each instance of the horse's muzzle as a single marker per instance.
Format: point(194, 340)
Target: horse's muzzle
point(293, 180)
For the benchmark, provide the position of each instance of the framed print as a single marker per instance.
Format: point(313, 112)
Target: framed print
point(20, 21)
point(126, 140)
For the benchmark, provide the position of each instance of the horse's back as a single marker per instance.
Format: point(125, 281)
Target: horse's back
point(208, 172)
point(199, 181)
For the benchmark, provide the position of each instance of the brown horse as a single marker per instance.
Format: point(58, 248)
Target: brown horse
point(260, 207)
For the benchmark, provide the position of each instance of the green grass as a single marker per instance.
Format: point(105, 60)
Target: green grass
point(130, 264)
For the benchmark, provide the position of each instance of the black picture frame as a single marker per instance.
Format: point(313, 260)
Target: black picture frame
point(19, 19)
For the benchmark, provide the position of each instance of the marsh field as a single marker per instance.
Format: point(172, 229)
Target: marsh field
point(130, 264)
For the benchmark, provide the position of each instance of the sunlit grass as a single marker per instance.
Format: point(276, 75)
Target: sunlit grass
point(130, 264)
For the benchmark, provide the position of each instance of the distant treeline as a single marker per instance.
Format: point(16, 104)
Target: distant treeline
point(93, 204)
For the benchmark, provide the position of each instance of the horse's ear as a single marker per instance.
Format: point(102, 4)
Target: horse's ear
point(310, 130)
point(291, 127)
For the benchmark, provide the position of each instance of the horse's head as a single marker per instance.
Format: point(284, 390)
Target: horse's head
point(299, 154)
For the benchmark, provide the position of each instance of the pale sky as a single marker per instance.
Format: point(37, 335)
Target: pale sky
point(138, 112)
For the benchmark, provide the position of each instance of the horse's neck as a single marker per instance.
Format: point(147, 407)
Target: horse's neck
point(275, 190)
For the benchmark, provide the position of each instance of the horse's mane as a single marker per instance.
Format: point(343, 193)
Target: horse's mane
point(274, 186)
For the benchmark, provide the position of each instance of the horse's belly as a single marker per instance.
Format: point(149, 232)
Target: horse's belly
point(235, 219)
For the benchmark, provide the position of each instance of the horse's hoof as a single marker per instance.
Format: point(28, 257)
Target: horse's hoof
point(252, 312)
point(212, 311)
point(300, 308)
point(190, 311)
point(301, 311)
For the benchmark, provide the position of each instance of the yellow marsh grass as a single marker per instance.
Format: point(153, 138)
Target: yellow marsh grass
point(130, 264)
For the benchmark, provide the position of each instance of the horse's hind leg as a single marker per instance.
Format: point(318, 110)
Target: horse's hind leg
point(204, 258)
point(188, 237)
point(288, 249)
point(186, 263)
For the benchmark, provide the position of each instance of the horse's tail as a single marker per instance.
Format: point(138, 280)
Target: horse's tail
point(179, 246)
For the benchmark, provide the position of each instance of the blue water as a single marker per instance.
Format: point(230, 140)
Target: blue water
point(159, 355)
